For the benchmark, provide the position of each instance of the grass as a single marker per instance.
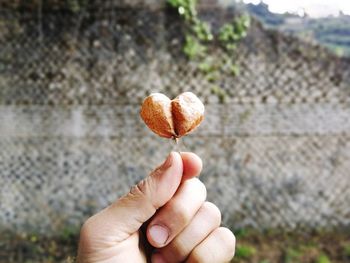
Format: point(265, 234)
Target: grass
point(292, 255)
point(276, 247)
point(346, 250)
point(252, 247)
point(245, 252)
point(24, 247)
point(323, 259)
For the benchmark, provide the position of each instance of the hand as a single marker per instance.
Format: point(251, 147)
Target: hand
point(164, 218)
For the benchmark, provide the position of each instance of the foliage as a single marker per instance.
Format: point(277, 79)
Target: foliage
point(193, 48)
point(292, 255)
point(347, 250)
point(323, 259)
point(332, 32)
point(186, 8)
point(244, 252)
point(199, 36)
point(230, 33)
point(267, 247)
point(76, 5)
point(220, 93)
point(242, 232)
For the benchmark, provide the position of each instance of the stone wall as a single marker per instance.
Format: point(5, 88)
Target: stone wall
point(276, 154)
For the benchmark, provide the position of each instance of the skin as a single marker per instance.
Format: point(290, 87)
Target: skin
point(164, 218)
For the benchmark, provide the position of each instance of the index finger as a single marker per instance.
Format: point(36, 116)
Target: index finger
point(192, 165)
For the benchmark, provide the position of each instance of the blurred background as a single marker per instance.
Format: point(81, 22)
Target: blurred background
point(275, 80)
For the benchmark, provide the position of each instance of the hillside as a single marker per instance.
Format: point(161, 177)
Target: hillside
point(332, 32)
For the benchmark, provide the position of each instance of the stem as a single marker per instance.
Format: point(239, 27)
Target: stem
point(176, 144)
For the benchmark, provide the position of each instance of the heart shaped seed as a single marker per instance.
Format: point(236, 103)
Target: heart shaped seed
point(172, 118)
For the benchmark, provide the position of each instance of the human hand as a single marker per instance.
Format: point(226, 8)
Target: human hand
point(164, 218)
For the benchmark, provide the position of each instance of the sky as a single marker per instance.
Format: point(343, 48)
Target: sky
point(313, 8)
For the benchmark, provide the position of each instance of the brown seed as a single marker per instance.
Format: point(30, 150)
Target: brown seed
point(188, 112)
point(172, 118)
point(156, 113)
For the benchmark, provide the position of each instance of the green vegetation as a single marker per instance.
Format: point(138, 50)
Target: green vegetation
point(323, 259)
point(241, 233)
point(244, 252)
point(332, 32)
point(15, 247)
point(293, 255)
point(69, 232)
point(220, 93)
point(193, 48)
point(199, 37)
point(346, 249)
point(252, 246)
point(76, 5)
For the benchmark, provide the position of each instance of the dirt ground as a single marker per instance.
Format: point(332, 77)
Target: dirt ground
point(293, 247)
point(251, 247)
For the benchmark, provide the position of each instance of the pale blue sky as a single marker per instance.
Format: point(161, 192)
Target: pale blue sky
point(315, 8)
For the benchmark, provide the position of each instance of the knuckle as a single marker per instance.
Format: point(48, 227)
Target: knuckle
point(180, 213)
point(197, 187)
point(140, 188)
point(184, 213)
point(195, 182)
point(198, 257)
point(228, 241)
point(221, 239)
point(88, 224)
point(178, 250)
point(87, 229)
point(211, 211)
point(141, 192)
point(202, 188)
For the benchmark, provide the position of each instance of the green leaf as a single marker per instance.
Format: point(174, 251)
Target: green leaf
point(203, 31)
point(213, 76)
point(245, 251)
point(234, 70)
point(218, 91)
point(230, 46)
point(323, 259)
point(193, 48)
point(172, 3)
point(226, 33)
point(206, 67)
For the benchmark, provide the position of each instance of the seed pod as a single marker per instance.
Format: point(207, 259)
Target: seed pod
point(172, 118)
point(156, 113)
point(188, 112)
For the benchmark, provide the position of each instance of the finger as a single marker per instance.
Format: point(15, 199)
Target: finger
point(207, 219)
point(171, 219)
point(192, 165)
point(126, 215)
point(218, 247)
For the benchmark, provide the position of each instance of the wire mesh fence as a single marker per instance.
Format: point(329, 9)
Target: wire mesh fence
point(276, 154)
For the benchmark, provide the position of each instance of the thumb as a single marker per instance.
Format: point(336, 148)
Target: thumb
point(125, 216)
point(148, 195)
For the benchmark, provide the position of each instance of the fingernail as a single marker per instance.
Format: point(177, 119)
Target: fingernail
point(158, 258)
point(159, 234)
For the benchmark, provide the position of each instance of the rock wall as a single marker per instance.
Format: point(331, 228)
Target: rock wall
point(276, 154)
